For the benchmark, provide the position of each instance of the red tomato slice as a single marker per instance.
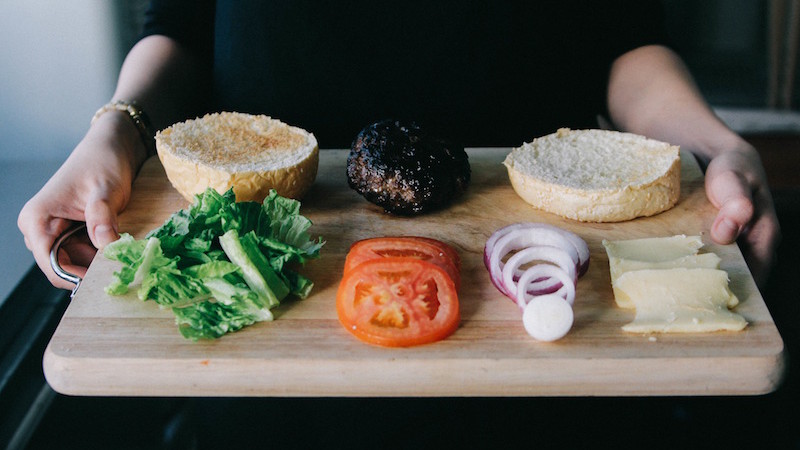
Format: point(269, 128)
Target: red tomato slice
point(446, 248)
point(426, 249)
point(398, 302)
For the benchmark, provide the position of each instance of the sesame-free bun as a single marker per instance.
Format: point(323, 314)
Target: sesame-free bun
point(250, 153)
point(596, 175)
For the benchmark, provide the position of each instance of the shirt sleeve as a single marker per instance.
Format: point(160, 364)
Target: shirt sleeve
point(633, 24)
point(189, 22)
point(623, 26)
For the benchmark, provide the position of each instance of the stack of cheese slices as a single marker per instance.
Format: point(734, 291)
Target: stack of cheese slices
point(672, 287)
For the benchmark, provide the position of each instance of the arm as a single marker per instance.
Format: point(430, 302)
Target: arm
point(94, 183)
point(652, 93)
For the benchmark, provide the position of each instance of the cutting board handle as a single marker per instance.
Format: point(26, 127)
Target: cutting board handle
point(63, 274)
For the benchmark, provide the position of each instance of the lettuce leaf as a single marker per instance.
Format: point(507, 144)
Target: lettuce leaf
point(139, 259)
point(210, 320)
point(257, 272)
point(220, 265)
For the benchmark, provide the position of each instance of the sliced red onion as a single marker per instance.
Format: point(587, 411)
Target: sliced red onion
point(580, 246)
point(567, 290)
point(521, 238)
point(545, 291)
point(577, 243)
point(511, 270)
point(547, 318)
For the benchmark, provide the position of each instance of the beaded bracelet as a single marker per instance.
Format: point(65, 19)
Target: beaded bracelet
point(138, 117)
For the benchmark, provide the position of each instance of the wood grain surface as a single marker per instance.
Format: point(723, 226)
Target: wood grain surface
point(121, 346)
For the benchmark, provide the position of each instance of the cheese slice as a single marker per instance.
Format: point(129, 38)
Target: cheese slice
point(654, 249)
point(619, 266)
point(680, 300)
point(654, 253)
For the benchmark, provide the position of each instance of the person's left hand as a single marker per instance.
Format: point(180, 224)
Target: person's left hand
point(736, 184)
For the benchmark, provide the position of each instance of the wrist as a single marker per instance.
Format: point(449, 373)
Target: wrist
point(713, 146)
point(137, 117)
point(122, 135)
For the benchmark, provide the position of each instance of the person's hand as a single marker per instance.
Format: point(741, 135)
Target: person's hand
point(736, 183)
point(93, 186)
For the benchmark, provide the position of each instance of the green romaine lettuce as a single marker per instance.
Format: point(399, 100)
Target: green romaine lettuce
point(254, 266)
point(220, 265)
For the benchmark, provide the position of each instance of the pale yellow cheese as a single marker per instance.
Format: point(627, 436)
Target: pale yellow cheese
point(672, 287)
point(655, 249)
point(619, 266)
point(680, 301)
point(654, 253)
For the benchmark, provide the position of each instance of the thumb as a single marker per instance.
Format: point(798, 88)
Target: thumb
point(101, 222)
point(730, 192)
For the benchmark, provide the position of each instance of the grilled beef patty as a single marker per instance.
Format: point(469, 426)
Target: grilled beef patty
point(399, 167)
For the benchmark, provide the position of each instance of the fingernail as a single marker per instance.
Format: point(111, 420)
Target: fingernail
point(728, 229)
point(104, 234)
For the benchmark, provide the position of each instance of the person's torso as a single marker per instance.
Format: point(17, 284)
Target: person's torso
point(482, 73)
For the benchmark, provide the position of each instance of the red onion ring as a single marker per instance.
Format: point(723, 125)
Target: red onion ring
point(511, 271)
point(563, 257)
point(578, 244)
point(560, 247)
point(567, 290)
point(520, 236)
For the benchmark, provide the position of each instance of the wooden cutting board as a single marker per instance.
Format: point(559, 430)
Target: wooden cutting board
point(121, 346)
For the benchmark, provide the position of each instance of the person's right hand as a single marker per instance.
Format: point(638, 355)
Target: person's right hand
point(93, 186)
point(736, 183)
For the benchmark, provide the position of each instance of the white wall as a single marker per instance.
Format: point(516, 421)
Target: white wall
point(57, 66)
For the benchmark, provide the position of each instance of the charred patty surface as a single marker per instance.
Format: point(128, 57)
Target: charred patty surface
point(398, 166)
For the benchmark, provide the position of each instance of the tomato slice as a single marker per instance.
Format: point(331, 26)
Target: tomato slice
point(398, 302)
point(426, 249)
point(446, 248)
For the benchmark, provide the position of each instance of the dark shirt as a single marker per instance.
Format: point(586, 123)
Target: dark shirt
point(482, 73)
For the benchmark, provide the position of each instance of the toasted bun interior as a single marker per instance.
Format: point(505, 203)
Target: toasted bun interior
point(596, 175)
point(249, 153)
